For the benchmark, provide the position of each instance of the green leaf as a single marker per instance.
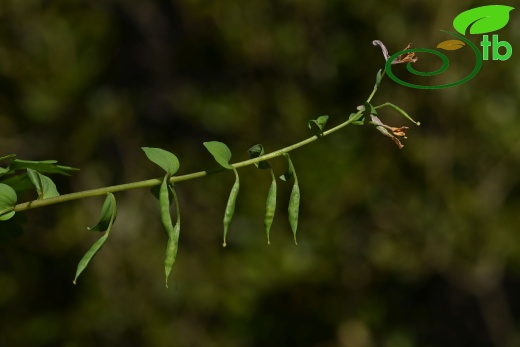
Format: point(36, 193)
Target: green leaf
point(483, 19)
point(318, 124)
point(166, 160)
point(255, 152)
point(83, 263)
point(45, 187)
point(8, 200)
point(9, 156)
point(368, 107)
point(46, 166)
point(4, 170)
point(108, 214)
point(379, 77)
point(20, 182)
point(220, 152)
point(360, 118)
point(109, 208)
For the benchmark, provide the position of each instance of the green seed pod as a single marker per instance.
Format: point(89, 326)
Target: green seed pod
point(230, 207)
point(171, 251)
point(166, 220)
point(294, 206)
point(270, 207)
point(164, 203)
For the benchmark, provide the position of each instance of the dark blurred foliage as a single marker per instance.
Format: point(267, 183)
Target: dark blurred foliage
point(397, 248)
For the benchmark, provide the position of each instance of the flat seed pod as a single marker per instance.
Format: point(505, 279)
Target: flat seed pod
point(270, 207)
point(230, 206)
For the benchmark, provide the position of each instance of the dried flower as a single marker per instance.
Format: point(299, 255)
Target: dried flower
point(383, 128)
point(403, 58)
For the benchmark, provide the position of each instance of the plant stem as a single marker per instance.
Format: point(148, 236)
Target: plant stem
point(157, 181)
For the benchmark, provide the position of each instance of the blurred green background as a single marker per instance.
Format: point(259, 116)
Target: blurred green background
point(397, 248)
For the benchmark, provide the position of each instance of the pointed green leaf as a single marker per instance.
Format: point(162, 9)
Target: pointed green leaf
point(483, 19)
point(108, 214)
point(166, 160)
point(83, 263)
point(45, 187)
point(45, 166)
point(255, 152)
point(379, 77)
point(220, 152)
point(109, 208)
point(8, 200)
point(318, 124)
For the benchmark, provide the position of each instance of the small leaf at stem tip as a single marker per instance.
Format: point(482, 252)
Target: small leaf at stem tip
point(255, 152)
point(318, 124)
point(220, 152)
point(164, 159)
point(379, 77)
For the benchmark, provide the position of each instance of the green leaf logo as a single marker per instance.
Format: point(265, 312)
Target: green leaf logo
point(482, 20)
